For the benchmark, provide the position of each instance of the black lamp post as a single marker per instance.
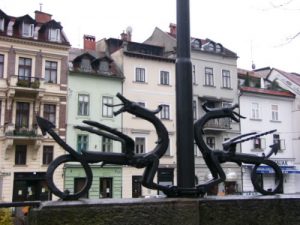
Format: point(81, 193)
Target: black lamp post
point(184, 99)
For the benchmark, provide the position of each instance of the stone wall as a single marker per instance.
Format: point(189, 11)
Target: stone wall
point(233, 210)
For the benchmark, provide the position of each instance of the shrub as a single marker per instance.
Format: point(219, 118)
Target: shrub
point(5, 217)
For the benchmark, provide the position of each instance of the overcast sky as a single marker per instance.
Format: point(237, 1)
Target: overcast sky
point(255, 29)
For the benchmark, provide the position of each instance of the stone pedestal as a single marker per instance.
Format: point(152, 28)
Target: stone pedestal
point(229, 210)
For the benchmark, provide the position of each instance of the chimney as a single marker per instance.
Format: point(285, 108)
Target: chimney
point(173, 29)
point(42, 17)
point(89, 42)
point(124, 36)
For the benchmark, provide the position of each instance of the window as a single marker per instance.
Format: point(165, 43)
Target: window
point(194, 74)
point(1, 65)
point(210, 141)
point(54, 35)
point(47, 155)
point(20, 156)
point(51, 72)
point(85, 65)
point(168, 152)
point(209, 76)
point(259, 143)
point(277, 140)
point(226, 79)
point(107, 145)
point(83, 105)
point(82, 142)
point(255, 111)
point(50, 113)
point(104, 66)
point(79, 183)
point(194, 110)
point(27, 30)
point(140, 75)
point(274, 112)
point(164, 78)
point(1, 24)
point(140, 145)
point(22, 115)
point(137, 186)
point(106, 110)
point(165, 112)
point(24, 68)
point(106, 187)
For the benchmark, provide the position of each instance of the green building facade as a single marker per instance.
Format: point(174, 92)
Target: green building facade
point(93, 81)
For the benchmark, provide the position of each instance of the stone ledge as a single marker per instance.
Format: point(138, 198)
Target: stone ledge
point(228, 210)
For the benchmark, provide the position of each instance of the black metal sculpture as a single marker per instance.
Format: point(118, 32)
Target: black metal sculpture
point(150, 160)
point(214, 158)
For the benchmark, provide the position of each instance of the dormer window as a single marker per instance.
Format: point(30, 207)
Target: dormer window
point(196, 44)
point(219, 48)
point(54, 35)
point(211, 47)
point(86, 65)
point(27, 30)
point(1, 24)
point(103, 66)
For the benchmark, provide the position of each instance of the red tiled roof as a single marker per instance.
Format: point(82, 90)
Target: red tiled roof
point(268, 92)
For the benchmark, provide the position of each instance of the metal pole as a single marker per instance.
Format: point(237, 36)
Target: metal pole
point(184, 99)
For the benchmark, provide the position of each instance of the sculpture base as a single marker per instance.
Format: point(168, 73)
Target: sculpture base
point(228, 210)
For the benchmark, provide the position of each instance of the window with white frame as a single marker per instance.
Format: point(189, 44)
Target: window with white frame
point(280, 142)
point(106, 110)
point(259, 143)
point(140, 75)
point(255, 111)
point(27, 30)
point(107, 144)
point(164, 78)
point(274, 109)
point(1, 65)
point(165, 112)
point(50, 72)
point(226, 79)
point(194, 74)
point(140, 145)
point(209, 76)
point(168, 152)
point(194, 110)
point(211, 142)
point(82, 142)
point(54, 35)
point(50, 112)
point(1, 24)
point(24, 69)
point(83, 104)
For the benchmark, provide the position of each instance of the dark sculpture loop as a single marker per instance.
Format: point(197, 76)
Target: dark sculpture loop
point(150, 160)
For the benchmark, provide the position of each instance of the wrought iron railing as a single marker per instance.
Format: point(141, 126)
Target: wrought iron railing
point(221, 123)
point(31, 82)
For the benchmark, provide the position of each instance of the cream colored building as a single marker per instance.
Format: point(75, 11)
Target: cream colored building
point(150, 81)
point(33, 81)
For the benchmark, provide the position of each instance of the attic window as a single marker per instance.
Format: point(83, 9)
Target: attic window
point(218, 48)
point(54, 35)
point(86, 65)
point(103, 66)
point(211, 47)
point(27, 30)
point(196, 44)
point(1, 24)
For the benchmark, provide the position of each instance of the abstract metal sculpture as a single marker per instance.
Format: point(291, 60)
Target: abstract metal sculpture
point(150, 160)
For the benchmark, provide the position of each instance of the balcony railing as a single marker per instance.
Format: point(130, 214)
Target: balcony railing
point(11, 130)
point(221, 123)
point(31, 82)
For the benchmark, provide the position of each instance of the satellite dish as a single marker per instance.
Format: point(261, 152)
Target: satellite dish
point(129, 30)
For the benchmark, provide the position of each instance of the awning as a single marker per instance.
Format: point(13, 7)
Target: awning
point(269, 170)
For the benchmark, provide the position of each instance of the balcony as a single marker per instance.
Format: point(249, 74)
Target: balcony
point(218, 124)
point(28, 86)
point(26, 136)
